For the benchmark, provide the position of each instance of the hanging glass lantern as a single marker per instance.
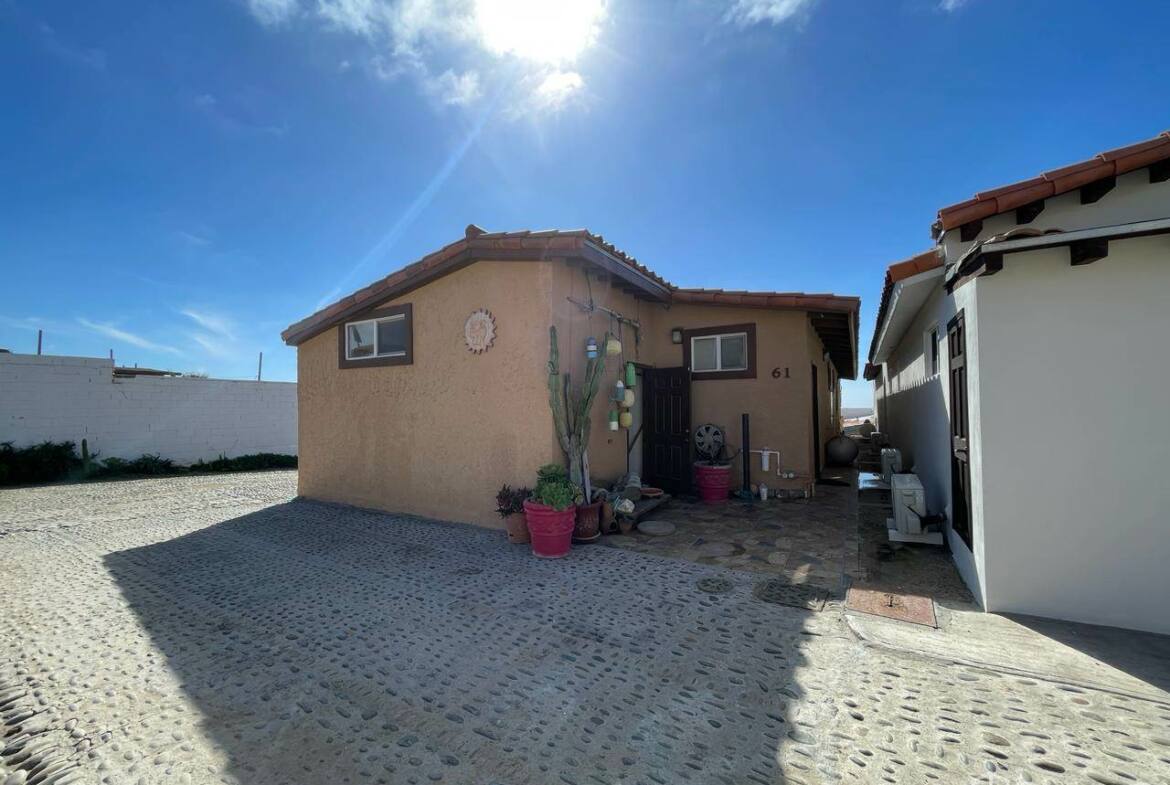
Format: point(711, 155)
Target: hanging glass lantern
point(613, 419)
point(613, 347)
point(628, 400)
point(631, 376)
point(591, 348)
point(626, 419)
point(619, 391)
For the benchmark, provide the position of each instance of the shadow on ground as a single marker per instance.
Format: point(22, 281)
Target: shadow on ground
point(320, 643)
point(1143, 655)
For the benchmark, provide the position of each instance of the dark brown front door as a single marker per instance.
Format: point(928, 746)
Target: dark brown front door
point(816, 425)
point(666, 429)
point(960, 439)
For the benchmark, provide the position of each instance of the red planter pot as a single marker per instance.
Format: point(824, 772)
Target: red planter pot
point(588, 525)
point(713, 482)
point(551, 530)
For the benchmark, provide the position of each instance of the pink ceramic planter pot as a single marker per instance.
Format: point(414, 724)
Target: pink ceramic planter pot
point(713, 482)
point(551, 530)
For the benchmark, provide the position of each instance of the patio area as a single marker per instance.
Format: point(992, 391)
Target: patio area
point(828, 542)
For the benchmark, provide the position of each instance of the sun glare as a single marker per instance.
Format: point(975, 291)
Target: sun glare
point(548, 31)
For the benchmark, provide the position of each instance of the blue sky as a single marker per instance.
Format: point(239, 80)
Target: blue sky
point(183, 180)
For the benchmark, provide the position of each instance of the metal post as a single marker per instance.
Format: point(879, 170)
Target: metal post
point(260, 366)
point(40, 333)
point(746, 456)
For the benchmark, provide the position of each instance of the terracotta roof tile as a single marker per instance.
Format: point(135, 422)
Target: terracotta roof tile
point(1055, 182)
point(555, 242)
point(900, 271)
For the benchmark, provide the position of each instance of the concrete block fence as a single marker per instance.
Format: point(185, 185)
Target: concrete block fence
point(44, 398)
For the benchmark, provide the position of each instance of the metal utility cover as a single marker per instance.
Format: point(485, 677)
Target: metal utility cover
point(903, 607)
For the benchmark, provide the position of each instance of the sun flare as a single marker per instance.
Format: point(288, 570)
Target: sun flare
point(547, 31)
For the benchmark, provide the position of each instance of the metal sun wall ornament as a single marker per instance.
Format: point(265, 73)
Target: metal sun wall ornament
point(479, 331)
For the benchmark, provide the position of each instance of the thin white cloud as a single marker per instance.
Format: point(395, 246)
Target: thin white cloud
point(745, 13)
point(118, 334)
point(951, 5)
point(221, 325)
point(213, 346)
point(451, 49)
point(558, 87)
point(454, 89)
point(86, 57)
point(198, 239)
point(273, 12)
point(27, 323)
point(228, 123)
point(356, 16)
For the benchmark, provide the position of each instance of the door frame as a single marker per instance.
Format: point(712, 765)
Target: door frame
point(686, 482)
point(816, 423)
point(959, 427)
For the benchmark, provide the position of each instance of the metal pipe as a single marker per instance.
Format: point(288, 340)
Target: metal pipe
point(745, 453)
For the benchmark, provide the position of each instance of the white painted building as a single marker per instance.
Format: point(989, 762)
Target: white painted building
point(51, 398)
point(1045, 304)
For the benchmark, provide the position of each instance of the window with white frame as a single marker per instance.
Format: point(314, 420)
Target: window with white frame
point(724, 352)
point(383, 338)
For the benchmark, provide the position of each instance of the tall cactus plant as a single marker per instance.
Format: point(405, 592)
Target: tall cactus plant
point(570, 409)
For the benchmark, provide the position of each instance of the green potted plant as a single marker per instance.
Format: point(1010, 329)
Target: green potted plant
point(551, 512)
point(510, 507)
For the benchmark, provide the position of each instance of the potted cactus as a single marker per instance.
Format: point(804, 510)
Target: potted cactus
point(510, 507)
point(551, 512)
point(571, 410)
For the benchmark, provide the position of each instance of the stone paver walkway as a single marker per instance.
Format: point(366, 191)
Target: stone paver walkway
point(209, 629)
point(804, 541)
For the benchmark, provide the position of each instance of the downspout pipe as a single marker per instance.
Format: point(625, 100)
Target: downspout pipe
point(745, 454)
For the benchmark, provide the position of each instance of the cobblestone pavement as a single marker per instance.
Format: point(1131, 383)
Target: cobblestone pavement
point(209, 629)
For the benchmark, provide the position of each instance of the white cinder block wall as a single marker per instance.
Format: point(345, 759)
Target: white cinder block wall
point(45, 398)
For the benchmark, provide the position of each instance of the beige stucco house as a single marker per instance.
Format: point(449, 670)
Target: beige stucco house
point(1022, 367)
point(398, 413)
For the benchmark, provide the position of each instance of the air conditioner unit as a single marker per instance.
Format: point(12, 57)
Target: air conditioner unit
point(909, 502)
point(891, 463)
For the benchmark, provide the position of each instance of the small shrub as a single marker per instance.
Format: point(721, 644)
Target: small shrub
point(145, 465)
point(247, 463)
point(44, 462)
point(552, 472)
point(560, 495)
point(510, 501)
point(553, 488)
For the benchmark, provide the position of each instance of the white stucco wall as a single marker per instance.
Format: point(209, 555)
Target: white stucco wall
point(1075, 440)
point(44, 398)
point(916, 407)
point(916, 415)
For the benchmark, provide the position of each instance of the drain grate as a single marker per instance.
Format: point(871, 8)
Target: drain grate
point(795, 594)
point(715, 585)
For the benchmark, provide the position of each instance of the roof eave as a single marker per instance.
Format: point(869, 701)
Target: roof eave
point(885, 341)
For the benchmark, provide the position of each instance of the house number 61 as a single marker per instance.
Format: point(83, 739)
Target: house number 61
point(780, 373)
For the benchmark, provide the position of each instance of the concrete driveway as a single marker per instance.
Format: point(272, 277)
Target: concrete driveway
point(210, 629)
